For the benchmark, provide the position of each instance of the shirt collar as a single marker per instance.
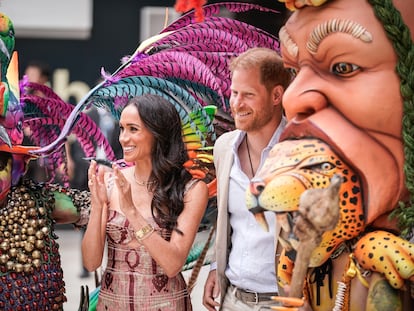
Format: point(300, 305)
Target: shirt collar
point(273, 141)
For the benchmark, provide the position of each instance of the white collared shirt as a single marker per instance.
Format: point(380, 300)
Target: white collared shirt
point(252, 257)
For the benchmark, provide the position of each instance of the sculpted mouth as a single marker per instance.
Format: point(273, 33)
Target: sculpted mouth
point(300, 182)
point(258, 213)
point(285, 217)
point(318, 213)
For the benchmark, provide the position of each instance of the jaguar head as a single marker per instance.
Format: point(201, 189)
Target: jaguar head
point(294, 166)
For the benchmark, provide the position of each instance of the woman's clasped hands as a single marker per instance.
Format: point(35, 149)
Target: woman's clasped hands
point(96, 184)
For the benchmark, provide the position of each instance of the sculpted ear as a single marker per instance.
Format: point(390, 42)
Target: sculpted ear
point(406, 9)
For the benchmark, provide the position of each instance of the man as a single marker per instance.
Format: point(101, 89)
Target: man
point(38, 72)
point(353, 89)
point(245, 275)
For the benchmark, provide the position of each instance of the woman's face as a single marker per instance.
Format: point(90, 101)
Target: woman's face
point(136, 140)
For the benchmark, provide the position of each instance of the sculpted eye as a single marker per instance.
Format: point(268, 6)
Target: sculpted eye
point(323, 167)
point(345, 69)
point(326, 166)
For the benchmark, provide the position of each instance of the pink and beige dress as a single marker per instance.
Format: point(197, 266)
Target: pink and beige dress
point(132, 280)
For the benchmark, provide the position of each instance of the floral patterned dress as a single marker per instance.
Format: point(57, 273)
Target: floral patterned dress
point(132, 280)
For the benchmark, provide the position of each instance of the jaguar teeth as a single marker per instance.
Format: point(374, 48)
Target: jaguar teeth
point(260, 218)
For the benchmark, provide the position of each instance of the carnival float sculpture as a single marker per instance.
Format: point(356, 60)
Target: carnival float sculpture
point(348, 144)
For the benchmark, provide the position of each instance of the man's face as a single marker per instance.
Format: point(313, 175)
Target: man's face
point(35, 75)
point(251, 103)
point(345, 69)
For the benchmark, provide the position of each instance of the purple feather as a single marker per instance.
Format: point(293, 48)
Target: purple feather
point(214, 9)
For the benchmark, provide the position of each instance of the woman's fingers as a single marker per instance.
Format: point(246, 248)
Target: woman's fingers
point(92, 174)
point(120, 179)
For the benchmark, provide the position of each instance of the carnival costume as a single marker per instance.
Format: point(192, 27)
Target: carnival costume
point(31, 277)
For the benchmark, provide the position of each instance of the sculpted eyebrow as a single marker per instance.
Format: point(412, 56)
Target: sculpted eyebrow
point(323, 30)
point(346, 26)
point(288, 42)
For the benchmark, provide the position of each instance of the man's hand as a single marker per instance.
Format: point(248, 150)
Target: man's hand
point(211, 291)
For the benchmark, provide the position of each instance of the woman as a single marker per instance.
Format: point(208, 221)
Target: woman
point(149, 213)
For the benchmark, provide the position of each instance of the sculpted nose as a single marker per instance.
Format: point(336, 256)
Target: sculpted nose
point(256, 187)
point(304, 96)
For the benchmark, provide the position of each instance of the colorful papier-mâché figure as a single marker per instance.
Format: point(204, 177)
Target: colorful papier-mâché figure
point(350, 112)
point(31, 277)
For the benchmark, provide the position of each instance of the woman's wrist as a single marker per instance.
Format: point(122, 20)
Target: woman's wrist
point(96, 205)
point(144, 232)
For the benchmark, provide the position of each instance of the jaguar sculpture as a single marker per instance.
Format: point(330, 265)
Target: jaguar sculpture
point(353, 259)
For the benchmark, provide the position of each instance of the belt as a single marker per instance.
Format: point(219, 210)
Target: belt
point(251, 297)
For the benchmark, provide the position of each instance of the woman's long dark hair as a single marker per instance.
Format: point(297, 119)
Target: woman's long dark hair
point(169, 154)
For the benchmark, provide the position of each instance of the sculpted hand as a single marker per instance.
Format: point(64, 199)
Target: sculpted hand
point(387, 254)
point(211, 291)
point(96, 185)
point(284, 269)
point(284, 278)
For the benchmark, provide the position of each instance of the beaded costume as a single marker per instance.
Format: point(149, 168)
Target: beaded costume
point(31, 277)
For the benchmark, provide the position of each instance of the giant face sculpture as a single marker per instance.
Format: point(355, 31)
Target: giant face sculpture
point(348, 91)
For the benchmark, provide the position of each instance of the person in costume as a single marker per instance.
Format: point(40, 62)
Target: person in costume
point(349, 109)
point(31, 277)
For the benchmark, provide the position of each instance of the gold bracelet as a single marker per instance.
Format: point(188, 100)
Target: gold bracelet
point(144, 232)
